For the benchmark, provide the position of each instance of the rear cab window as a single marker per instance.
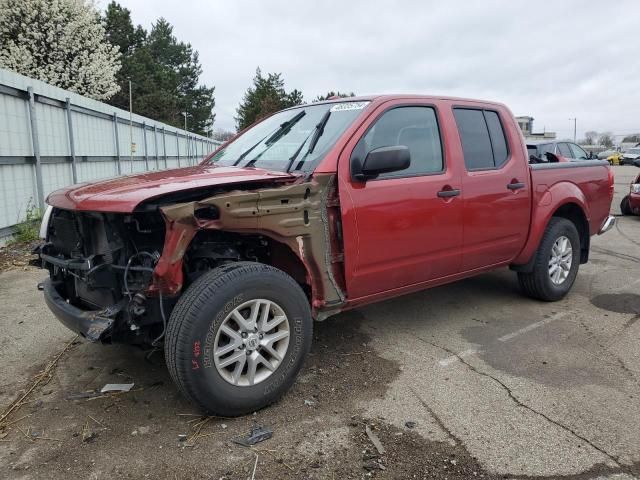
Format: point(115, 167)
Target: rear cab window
point(484, 143)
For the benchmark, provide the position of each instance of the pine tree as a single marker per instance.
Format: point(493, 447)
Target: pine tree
point(60, 42)
point(163, 71)
point(332, 94)
point(267, 95)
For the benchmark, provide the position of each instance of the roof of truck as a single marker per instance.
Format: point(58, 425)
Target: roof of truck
point(399, 96)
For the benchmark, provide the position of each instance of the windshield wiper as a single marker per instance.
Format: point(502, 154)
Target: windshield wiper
point(282, 130)
point(317, 133)
point(285, 127)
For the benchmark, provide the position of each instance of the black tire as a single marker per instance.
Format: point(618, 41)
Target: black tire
point(625, 208)
point(538, 284)
point(198, 315)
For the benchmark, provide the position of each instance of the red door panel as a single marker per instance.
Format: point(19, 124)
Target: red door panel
point(497, 201)
point(398, 231)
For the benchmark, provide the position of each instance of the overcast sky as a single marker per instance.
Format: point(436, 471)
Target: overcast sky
point(550, 60)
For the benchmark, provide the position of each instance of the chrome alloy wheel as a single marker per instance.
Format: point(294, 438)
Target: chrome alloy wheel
point(251, 342)
point(560, 260)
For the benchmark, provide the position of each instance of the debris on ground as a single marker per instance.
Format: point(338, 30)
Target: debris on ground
point(256, 435)
point(17, 255)
point(42, 378)
point(255, 465)
point(309, 403)
point(84, 395)
point(116, 387)
point(410, 424)
point(374, 439)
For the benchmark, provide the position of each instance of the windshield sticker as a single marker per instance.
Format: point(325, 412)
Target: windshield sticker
point(340, 107)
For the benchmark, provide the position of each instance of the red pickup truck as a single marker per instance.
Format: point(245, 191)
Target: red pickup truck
point(314, 210)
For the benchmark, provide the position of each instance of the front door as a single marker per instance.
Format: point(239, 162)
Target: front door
point(404, 227)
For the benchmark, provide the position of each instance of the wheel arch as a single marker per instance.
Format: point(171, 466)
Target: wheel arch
point(572, 205)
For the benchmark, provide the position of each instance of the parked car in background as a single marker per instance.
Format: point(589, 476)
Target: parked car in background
point(630, 156)
point(611, 156)
point(564, 151)
point(630, 204)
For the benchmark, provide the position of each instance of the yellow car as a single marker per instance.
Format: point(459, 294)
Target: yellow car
point(615, 158)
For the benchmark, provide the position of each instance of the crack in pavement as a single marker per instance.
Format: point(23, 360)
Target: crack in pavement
point(437, 419)
point(531, 409)
point(625, 235)
point(604, 346)
point(622, 256)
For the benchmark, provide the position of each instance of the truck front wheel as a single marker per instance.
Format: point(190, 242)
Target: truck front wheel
point(556, 264)
point(238, 337)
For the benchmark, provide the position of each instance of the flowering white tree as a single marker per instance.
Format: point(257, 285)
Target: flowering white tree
point(61, 42)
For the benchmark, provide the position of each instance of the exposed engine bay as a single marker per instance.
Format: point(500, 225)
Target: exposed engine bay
point(105, 262)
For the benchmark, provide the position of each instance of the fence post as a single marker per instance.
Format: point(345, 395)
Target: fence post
point(155, 143)
point(187, 140)
point(72, 144)
point(144, 136)
point(178, 148)
point(164, 147)
point(36, 148)
point(117, 140)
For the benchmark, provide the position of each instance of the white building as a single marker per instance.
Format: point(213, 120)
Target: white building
point(526, 125)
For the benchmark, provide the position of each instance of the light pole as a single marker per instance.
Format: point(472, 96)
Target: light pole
point(130, 127)
point(186, 136)
point(574, 127)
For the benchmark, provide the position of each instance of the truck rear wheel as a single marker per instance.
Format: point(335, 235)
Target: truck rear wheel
point(238, 337)
point(556, 264)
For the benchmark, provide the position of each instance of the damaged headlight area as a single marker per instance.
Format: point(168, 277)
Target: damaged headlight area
point(101, 267)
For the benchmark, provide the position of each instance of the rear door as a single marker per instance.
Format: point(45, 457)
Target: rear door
point(495, 187)
point(400, 229)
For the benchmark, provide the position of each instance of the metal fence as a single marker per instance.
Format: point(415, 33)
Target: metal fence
point(51, 138)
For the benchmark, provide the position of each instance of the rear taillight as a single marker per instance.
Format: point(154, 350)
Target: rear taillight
point(611, 182)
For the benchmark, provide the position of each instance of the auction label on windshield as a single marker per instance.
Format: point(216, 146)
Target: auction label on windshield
point(340, 107)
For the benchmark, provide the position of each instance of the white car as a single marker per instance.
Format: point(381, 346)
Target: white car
point(630, 156)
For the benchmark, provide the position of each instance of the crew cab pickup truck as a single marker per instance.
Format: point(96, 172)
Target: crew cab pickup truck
point(312, 211)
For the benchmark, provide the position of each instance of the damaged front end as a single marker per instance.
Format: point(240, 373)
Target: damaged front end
point(100, 267)
point(115, 277)
point(294, 227)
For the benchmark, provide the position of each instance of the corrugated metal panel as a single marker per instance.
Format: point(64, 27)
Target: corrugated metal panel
point(17, 190)
point(15, 134)
point(94, 142)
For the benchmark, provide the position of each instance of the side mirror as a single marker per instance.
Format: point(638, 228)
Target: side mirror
point(380, 160)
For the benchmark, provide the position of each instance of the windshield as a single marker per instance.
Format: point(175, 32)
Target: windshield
point(634, 151)
point(291, 140)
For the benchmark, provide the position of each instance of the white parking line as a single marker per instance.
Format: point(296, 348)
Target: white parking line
point(454, 358)
point(445, 362)
point(533, 326)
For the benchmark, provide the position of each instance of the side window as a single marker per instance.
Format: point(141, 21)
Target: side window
point(414, 127)
point(563, 149)
point(578, 152)
point(498, 140)
point(483, 140)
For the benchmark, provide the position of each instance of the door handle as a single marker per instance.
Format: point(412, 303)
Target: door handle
point(515, 185)
point(453, 192)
